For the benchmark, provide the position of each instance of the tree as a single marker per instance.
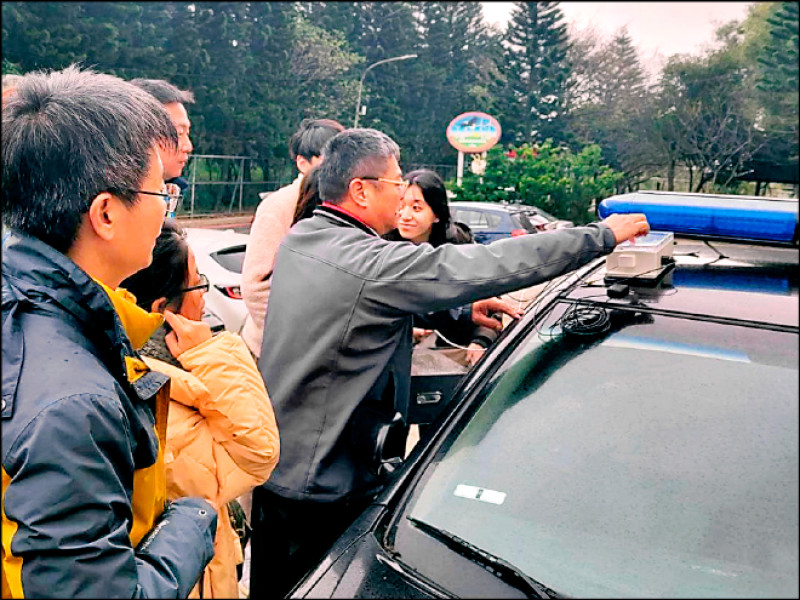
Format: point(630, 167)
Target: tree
point(322, 65)
point(611, 105)
point(550, 177)
point(537, 73)
point(707, 102)
point(449, 77)
point(778, 84)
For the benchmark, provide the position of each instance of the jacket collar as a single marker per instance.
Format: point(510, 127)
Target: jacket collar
point(38, 278)
point(344, 217)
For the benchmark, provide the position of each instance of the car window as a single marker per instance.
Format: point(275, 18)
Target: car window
point(231, 258)
point(493, 219)
point(659, 459)
point(473, 218)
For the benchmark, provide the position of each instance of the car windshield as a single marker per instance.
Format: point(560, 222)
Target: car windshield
point(658, 459)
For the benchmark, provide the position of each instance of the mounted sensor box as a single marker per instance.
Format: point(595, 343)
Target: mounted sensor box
point(644, 259)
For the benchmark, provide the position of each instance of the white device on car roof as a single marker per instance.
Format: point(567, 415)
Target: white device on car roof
point(642, 259)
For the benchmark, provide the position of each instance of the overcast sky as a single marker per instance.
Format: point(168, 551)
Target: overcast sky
point(658, 29)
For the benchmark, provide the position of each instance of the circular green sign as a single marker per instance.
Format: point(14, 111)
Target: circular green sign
point(473, 132)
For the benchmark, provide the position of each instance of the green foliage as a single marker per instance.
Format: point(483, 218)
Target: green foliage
point(612, 108)
point(537, 73)
point(10, 68)
point(258, 68)
point(553, 178)
point(778, 82)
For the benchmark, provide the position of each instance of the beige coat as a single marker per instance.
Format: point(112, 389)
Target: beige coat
point(222, 440)
point(271, 223)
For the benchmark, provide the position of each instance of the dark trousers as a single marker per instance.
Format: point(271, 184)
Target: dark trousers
point(291, 536)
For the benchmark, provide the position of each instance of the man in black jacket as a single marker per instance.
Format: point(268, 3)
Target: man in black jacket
point(83, 418)
point(336, 351)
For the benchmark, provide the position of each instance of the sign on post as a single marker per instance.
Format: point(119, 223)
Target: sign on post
point(472, 133)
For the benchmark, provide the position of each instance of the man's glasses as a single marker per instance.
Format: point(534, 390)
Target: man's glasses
point(403, 184)
point(171, 195)
point(203, 285)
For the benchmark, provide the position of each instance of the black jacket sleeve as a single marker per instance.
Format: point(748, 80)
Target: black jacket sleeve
point(67, 511)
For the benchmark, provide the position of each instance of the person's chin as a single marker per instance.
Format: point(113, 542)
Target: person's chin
point(405, 232)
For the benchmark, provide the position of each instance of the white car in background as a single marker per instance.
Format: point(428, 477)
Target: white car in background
point(219, 254)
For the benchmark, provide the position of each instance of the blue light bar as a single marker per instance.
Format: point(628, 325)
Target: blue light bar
point(739, 217)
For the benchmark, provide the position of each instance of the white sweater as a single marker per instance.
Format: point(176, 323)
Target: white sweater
point(271, 224)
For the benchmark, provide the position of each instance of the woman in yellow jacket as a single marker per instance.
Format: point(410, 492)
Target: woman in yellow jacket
point(222, 438)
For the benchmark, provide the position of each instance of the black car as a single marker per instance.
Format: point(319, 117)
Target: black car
point(630, 436)
point(490, 221)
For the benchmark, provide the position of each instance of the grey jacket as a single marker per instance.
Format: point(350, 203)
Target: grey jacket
point(337, 339)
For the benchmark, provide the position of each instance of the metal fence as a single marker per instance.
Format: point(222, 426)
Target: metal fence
point(223, 189)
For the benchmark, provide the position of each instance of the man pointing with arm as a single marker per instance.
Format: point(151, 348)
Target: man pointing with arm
point(336, 351)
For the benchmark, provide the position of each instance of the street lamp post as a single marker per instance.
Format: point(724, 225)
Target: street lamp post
point(364, 74)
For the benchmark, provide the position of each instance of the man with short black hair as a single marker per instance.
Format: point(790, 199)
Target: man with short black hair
point(336, 353)
point(83, 418)
point(271, 223)
point(174, 101)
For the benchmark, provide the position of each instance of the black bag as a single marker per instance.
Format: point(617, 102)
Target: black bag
point(241, 526)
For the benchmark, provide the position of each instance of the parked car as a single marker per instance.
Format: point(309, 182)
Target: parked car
point(219, 254)
point(490, 221)
point(633, 435)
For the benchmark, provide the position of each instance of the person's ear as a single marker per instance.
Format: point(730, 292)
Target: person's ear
point(436, 219)
point(302, 164)
point(158, 305)
point(358, 192)
point(102, 214)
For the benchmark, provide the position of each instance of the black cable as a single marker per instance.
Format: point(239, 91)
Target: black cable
point(585, 320)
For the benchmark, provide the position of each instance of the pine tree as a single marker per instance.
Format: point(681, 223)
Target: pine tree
point(453, 65)
point(779, 84)
point(537, 73)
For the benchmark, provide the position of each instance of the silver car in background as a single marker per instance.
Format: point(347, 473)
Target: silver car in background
point(219, 254)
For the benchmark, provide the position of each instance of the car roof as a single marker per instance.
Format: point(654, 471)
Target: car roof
point(712, 276)
point(728, 282)
point(210, 240)
point(492, 206)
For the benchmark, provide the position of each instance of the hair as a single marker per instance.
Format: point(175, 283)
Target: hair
point(164, 91)
point(167, 274)
point(308, 198)
point(353, 153)
point(68, 136)
point(435, 195)
point(10, 81)
point(311, 136)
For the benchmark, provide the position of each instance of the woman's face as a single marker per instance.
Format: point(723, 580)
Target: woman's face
point(193, 301)
point(415, 218)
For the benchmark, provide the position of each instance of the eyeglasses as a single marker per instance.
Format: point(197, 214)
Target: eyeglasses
point(171, 195)
point(403, 184)
point(203, 285)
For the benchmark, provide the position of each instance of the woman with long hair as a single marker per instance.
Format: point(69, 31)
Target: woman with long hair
point(424, 217)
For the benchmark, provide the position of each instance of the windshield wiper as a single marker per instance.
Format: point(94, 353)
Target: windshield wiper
point(499, 567)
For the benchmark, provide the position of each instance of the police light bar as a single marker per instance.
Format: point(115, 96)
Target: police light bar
point(705, 215)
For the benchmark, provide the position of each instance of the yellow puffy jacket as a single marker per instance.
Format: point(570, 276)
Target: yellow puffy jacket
point(222, 440)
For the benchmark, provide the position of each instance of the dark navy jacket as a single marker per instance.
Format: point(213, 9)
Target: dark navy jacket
point(83, 477)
